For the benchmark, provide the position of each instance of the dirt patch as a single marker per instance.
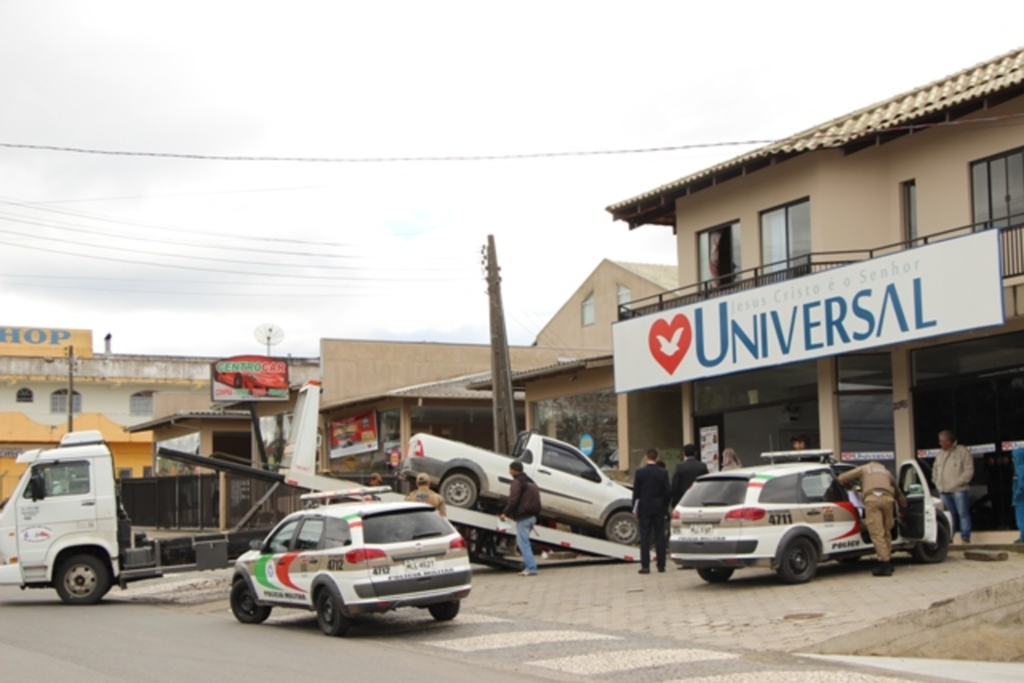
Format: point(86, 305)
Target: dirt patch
point(984, 625)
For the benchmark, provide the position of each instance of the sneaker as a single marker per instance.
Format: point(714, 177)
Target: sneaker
point(526, 573)
point(966, 541)
point(644, 571)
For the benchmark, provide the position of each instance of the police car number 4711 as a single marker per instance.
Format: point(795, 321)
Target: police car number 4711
point(790, 517)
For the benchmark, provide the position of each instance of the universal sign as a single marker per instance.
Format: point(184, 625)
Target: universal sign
point(946, 287)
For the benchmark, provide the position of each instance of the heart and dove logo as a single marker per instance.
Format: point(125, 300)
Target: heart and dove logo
point(669, 341)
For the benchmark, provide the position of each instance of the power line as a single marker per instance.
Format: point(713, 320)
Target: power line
point(487, 157)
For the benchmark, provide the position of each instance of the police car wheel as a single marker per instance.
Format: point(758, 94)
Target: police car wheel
point(328, 613)
point(715, 574)
point(798, 562)
point(932, 553)
point(243, 604)
point(445, 611)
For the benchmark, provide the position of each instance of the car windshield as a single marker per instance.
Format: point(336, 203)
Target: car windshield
point(399, 526)
point(716, 492)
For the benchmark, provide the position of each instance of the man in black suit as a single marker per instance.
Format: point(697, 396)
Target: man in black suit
point(686, 473)
point(650, 500)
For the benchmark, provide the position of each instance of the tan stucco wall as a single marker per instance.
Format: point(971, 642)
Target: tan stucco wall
point(566, 327)
point(856, 198)
point(356, 369)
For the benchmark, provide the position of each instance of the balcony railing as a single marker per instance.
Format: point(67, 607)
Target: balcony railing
point(1011, 232)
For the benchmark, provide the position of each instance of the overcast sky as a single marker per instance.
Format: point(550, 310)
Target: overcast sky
point(187, 256)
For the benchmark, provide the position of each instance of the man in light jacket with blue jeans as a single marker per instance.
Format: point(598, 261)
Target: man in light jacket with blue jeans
point(952, 473)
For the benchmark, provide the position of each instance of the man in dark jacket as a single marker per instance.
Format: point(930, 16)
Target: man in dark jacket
point(686, 473)
point(523, 506)
point(650, 501)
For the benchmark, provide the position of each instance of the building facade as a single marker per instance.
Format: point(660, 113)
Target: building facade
point(868, 195)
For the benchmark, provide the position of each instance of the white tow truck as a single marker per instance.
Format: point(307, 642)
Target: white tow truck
point(64, 528)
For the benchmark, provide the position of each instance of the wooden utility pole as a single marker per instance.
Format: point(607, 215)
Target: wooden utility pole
point(501, 371)
point(71, 388)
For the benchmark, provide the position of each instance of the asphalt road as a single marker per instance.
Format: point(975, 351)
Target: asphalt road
point(183, 630)
point(43, 639)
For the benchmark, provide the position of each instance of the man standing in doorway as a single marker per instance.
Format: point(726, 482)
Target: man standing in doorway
point(952, 473)
point(523, 506)
point(651, 493)
point(686, 473)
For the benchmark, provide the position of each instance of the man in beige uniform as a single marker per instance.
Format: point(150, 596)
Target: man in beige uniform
point(879, 491)
point(423, 494)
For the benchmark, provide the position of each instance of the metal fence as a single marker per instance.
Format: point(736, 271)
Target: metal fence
point(192, 501)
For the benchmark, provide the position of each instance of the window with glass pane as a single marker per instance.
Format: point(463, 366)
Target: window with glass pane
point(786, 236)
point(718, 250)
point(624, 295)
point(997, 189)
point(908, 201)
point(25, 395)
point(587, 311)
point(59, 402)
point(142, 403)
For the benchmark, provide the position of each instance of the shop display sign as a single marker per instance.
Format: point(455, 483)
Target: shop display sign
point(864, 456)
point(249, 378)
point(950, 286)
point(354, 435)
point(709, 447)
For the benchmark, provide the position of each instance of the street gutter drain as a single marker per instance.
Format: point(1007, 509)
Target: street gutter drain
point(802, 616)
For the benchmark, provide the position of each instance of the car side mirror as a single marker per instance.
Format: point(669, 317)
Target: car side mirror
point(591, 475)
point(256, 544)
point(36, 485)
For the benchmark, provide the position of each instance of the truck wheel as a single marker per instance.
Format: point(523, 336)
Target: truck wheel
point(445, 611)
point(459, 490)
point(715, 574)
point(798, 562)
point(932, 553)
point(82, 580)
point(623, 528)
point(328, 613)
point(243, 604)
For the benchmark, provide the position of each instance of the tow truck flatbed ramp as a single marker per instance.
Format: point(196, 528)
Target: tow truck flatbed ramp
point(482, 531)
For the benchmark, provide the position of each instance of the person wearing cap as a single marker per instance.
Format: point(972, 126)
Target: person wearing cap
point(423, 494)
point(523, 506)
point(686, 473)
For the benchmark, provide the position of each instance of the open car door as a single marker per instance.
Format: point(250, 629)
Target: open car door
point(920, 522)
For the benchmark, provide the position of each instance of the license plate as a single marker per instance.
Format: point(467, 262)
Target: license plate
point(701, 529)
point(422, 563)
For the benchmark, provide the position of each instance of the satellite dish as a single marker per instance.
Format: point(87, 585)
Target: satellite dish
point(269, 334)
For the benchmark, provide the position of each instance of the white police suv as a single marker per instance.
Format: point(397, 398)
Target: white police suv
point(351, 558)
point(790, 517)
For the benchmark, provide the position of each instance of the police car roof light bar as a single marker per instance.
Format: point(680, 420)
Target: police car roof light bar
point(356, 493)
point(806, 455)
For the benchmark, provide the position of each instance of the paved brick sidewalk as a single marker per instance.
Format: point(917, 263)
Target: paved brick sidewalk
point(751, 611)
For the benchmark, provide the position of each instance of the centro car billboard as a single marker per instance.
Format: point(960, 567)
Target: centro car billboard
point(249, 378)
point(945, 287)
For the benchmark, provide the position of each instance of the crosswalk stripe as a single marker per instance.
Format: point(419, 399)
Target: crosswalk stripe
point(794, 677)
point(626, 660)
point(495, 641)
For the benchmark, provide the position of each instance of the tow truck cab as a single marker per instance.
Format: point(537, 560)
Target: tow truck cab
point(64, 527)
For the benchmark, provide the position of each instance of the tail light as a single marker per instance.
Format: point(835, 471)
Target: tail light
point(362, 555)
point(457, 543)
point(417, 448)
point(676, 514)
point(746, 514)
